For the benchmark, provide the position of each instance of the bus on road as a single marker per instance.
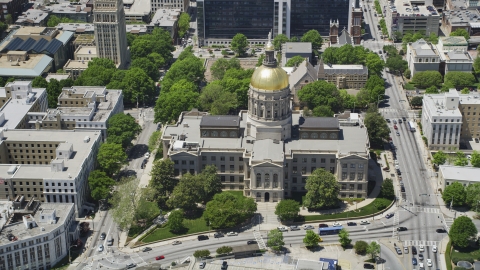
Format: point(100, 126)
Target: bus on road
point(329, 230)
point(411, 125)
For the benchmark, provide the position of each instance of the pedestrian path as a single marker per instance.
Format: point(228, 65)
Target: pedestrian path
point(417, 243)
point(266, 214)
point(418, 209)
point(448, 222)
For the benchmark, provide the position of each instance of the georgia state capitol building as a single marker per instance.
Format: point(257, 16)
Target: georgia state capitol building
point(269, 151)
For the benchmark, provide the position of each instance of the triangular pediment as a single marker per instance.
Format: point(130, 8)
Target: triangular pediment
point(266, 164)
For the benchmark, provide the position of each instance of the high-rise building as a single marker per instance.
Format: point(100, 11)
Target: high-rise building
point(110, 33)
point(219, 20)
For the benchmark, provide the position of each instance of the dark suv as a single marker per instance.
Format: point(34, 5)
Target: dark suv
point(414, 250)
point(202, 237)
point(368, 266)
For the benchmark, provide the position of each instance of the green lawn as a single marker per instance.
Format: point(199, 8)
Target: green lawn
point(193, 226)
point(409, 86)
point(238, 194)
point(469, 254)
point(363, 211)
point(448, 258)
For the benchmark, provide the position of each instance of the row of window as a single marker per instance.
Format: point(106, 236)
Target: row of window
point(214, 158)
point(33, 151)
point(312, 169)
point(313, 160)
point(314, 135)
point(31, 145)
point(353, 165)
point(352, 176)
point(28, 189)
point(446, 120)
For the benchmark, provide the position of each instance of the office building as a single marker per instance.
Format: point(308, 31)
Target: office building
point(110, 33)
point(466, 176)
point(461, 18)
point(219, 21)
point(422, 56)
point(35, 235)
point(411, 16)
point(448, 44)
point(181, 5)
point(49, 165)
point(137, 11)
point(456, 61)
point(12, 8)
point(269, 150)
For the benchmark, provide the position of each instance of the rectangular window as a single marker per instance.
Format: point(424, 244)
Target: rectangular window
point(192, 162)
point(332, 169)
point(352, 176)
point(184, 162)
point(352, 186)
point(359, 187)
point(294, 169)
point(360, 176)
point(294, 159)
point(352, 166)
point(344, 186)
point(222, 158)
point(322, 160)
point(314, 160)
point(345, 165)
point(344, 175)
point(232, 178)
point(294, 179)
point(232, 158)
point(222, 168)
point(222, 178)
point(213, 158)
point(232, 168)
point(332, 160)
point(240, 168)
point(360, 166)
point(204, 158)
point(304, 160)
point(304, 170)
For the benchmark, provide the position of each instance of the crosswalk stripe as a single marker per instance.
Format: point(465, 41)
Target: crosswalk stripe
point(420, 243)
point(418, 209)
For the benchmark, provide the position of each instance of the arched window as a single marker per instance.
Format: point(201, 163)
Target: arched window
point(333, 135)
point(275, 180)
point(323, 136)
point(267, 180)
point(259, 180)
point(314, 135)
point(304, 135)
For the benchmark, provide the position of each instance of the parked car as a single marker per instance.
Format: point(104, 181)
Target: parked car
point(441, 230)
point(420, 257)
point(336, 224)
point(202, 265)
point(398, 133)
point(251, 242)
point(405, 250)
point(399, 172)
point(294, 228)
point(414, 261)
point(131, 265)
point(399, 121)
point(421, 248)
point(218, 235)
point(389, 215)
point(414, 250)
point(146, 249)
point(100, 248)
point(364, 222)
point(102, 236)
point(401, 229)
point(232, 234)
point(434, 249)
point(308, 227)
point(404, 118)
point(399, 251)
point(368, 266)
point(429, 263)
point(395, 127)
point(394, 122)
point(388, 120)
point(420, 266)
point(322, 225)
point(282, 229)
point(176, 243)
point(158, 258)
point(147, 155)
point(202, 237)
point(402, 189)
point(351, 224)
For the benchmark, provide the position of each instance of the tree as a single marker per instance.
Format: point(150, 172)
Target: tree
point(260, 60)
point(53, 21)
point(287, 209)
point(202, 253)
point(460, 79)
point(227, 210)
point(122, 129)
point(124, 202)
point(323, 111)
point(186, 193)
point(163, 178)
point(224, 250)
point(53, 91)
point(279, 40)
point(373, 249)
point(100, 185)
point(181, 97)
point(239, 44)
point(136, 84)
point(189, 68)
point(322, 190)
point(321, 93)
point(295, 61)
point(454, 194)
point(314, 37)
point(39, 82)
point(275, 240)
point(146, 208)
point(396, 64)
point(238, 81)
point(374, 63)
point(387, 191)
point(344, 238)
point(462, 231)
point(221, 65)
point(433, 38)
point(211, 183)
point(417, 101)
point(476, 64)
point(472, 197)
point(111, 157)
point(475, 159)
point(360, 247)
point(99, 72)
point(465, 91)
point(431, 90)
point(425, 79)
point(148, 66)
point(216, 100)
point(439, 158)
point(460, 32)
point(159, 41)
point(460, 159)
point(311, 239)
point(377, 128)
point(348, 100)
point(183, 24)
point(175, 221)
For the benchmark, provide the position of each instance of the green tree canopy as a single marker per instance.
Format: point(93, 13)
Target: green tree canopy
point(314, 37)
point(148, 66)
point(425, 79)
point(279, 40)
point(417, 101)
point(295, 61)
point(100, 185)
point(344, 238)
point(439, 158)
point(460, 32)
point(39, 82)
point(186, 193)
point(190, 68)
point(321, 93)
point(159, 41)
point(460, 159)
point(431, 90)
point(462, 232)
point(238, 81)
point(455, 193)
point(216, 100)
point(163, 178)
point(227, 210)
point(472, 197)
point(373, 249)
point(347, 99)
point(374, 63)
point(53, 91)
point(111, 157)
point(99, 72)
point(287, 209)
point(220, 66)
point(125, 201)
point(377, 128)
point(137, 86)
point(202, 253)
point(311, 239)
point(460, 79)
point(360, 247)
point(322, 190)
point(387, 191)
point(275, 240)
point(344, 55)
point(475, 159)
point(122, 129)
point(183, 24)
point(322, 111)
point(175, 221)
point(396, 64)
point(183, 96)
point(239, 44)
point(476, 64)
point(224, 250)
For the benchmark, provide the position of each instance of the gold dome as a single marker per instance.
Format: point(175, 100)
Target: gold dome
point(270, 79)
point(269, 46)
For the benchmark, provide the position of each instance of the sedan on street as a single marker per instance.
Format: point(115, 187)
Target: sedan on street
point(389, 215)
point(158, 258)
point(364, 222)
point(308, 227)
point(414, 261)
point(294, 228)
point(336, 224)
point(232, 234)
point(176, 243)
point(351, 224)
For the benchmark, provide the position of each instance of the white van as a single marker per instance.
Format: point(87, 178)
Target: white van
point(421, 266)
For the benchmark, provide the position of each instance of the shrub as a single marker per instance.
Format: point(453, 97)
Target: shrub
point(425, 140)
point(360, 247)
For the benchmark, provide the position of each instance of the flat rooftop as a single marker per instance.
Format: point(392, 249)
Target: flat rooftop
point(423, 48)
point(138, 8)
point(87, 50)
point(353, 69)
point(434, 103)
point(460, 173)
point(458, 56)
point(165, 17)
point(36, 171)
point(33, 67)
point(298, 47)
point(453, 41)
point(57, 76)
point(19, 230)
point(76, 64)
point(78, 28)
point(16, 109)
point(406, 8)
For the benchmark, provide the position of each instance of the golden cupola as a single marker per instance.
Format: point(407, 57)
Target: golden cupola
point(269, 77)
